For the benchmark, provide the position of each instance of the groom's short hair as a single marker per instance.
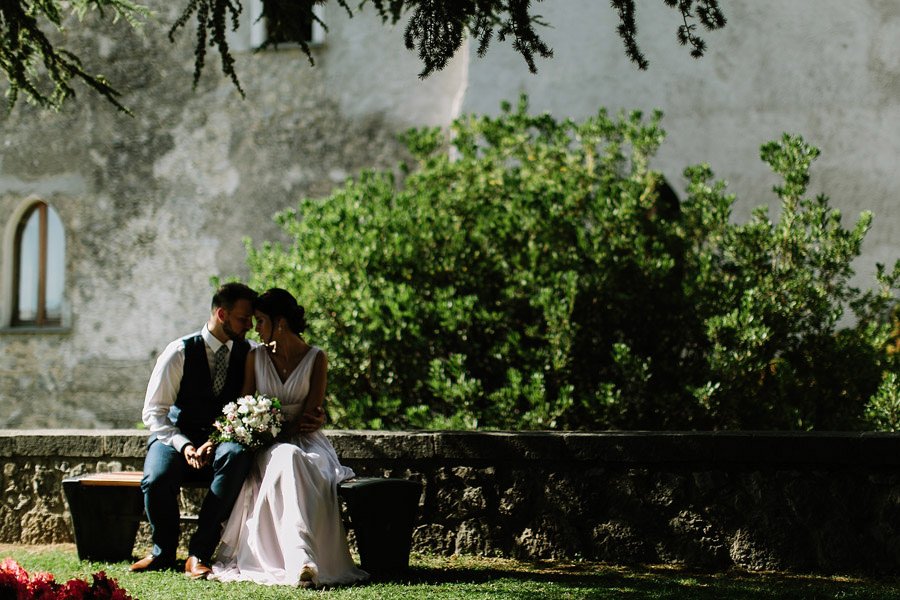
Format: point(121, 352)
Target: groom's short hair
point(229, 293)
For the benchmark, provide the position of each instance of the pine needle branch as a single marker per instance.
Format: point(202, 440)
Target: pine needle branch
point(40, 71)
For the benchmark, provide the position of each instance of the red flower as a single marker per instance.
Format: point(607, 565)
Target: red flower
point(43, 587)
point(11, 567)
point(105, 588)
point(13, 581)
point(75, 589)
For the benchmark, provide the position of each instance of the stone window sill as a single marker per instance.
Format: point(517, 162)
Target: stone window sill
point(34, 330)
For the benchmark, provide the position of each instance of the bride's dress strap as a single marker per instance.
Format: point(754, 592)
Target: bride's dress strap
point(311, 353)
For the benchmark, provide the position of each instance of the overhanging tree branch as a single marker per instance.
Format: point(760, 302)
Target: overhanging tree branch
point(435, 30)
point(37, 69)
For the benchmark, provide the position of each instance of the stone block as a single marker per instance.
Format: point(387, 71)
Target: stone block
point(751, 551)
point(668, 489)
point(10, 525)
point(786, 448)
point(637, 447)
point(693, 540)
point(383, 445)
point(500, 447)
point(473, 537)
point(60, 443)
point(520, 496)
point(128, 443)
point(473, 502)
point(617, 542)
point(9, 441)
point(434, 538)
point(548, 536)
point(45, 528)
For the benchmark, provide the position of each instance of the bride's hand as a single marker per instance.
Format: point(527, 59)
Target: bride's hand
point(205, 453)
point(311, 421)
point(191, 456)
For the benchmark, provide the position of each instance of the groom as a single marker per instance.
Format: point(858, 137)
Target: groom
point(193, 379)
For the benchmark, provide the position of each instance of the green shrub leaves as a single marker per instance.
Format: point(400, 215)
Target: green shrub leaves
point(540, 275)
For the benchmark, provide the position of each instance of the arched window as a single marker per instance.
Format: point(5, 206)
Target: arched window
point(39, 268)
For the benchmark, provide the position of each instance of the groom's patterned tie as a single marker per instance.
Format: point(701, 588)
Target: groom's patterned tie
point(221, 369)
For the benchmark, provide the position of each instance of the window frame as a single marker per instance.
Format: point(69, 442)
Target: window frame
point(259, 31)
point(41, 319)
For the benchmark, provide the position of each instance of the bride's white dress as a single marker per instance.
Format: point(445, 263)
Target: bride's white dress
point(287, 515)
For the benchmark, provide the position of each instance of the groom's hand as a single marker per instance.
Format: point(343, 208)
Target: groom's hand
point(198, 457)
point(190, 455)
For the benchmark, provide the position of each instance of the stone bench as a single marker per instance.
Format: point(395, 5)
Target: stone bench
point(106, 510)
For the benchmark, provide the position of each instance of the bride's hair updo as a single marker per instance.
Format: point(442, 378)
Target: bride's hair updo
point(278, 303)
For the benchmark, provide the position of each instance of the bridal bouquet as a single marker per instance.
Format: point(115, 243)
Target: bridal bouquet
point(252, 421)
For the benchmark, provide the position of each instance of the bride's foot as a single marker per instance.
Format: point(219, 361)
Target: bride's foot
point(308, 576)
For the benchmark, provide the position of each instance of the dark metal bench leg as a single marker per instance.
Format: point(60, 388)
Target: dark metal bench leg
point(382, 513)
point(105, 520)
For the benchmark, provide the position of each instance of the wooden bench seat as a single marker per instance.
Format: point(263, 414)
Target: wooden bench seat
point(107, 508)
point(113, 479)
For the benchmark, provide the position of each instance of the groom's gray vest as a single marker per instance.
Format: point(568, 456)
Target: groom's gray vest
point(196, 407)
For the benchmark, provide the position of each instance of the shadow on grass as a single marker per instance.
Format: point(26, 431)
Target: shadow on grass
point(592, 580)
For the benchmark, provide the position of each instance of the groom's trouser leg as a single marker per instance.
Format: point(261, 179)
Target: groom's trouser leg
point(230, 467)
point(164, 469)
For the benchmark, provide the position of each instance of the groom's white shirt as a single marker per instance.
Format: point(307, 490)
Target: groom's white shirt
point(165, 381)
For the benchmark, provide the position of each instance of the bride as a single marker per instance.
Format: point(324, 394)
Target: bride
point(286, 527)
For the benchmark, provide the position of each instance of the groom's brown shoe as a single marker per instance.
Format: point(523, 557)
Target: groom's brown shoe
point(196, 568)
point(152, 563)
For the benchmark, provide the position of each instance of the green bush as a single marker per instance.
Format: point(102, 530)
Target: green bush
point(541, 275)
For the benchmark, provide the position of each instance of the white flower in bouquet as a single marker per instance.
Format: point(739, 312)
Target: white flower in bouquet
point(252, 421)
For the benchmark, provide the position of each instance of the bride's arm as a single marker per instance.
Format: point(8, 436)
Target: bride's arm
point(313, 416)
point(317, 382)
point(249, 375)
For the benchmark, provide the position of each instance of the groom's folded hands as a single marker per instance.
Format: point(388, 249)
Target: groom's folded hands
point(198, 457)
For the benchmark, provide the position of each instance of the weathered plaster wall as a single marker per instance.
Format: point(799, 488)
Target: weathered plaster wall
point(155, 204)
point(805, 502)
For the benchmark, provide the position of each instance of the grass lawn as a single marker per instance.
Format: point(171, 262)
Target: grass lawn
point(476, 578)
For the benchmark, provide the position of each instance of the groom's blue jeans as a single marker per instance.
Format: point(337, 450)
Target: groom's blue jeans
point(165, 470)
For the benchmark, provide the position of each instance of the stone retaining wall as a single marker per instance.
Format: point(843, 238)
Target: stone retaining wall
point(806, 502)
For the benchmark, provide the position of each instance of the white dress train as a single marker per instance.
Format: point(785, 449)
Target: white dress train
point(287, 515)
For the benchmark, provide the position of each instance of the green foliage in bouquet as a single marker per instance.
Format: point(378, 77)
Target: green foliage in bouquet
point(540, 275)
